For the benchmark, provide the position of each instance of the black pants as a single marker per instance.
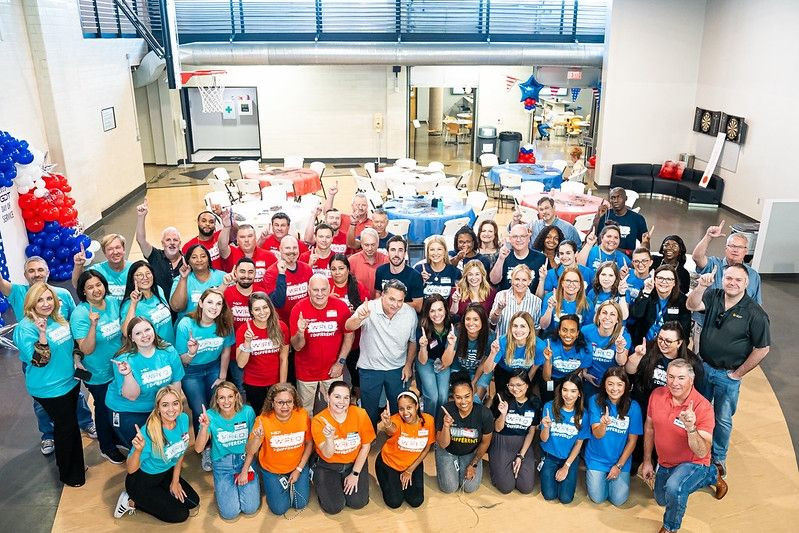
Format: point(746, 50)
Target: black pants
point(390, 484)
point(66, 434)
point(256, 396)
point(150, 494)
point(329, 482)
point(352, 366)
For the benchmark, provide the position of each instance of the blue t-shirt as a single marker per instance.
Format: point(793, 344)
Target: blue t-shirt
point(634, 287)
point(410, 277)
point(603, 356)
point(156, 311)
point(564, 362)
point(602, 454)
point(116, 280)
point(479, 257)
point(176, 442)
point(57, 377)
point(554, 274)
point(230, 436)
point(442, 283)
point(632, 227)
point(564, 434)
point(108, 339)
point(151, 373)
point(210, 344)
point(518, 357)
point(17, 300)
point(602, 297)
point(568, 308)
point(596, 257)
point(473, 358)
point(195, 289)
point(534, 260)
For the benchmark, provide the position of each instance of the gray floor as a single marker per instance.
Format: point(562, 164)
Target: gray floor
point(29, 491)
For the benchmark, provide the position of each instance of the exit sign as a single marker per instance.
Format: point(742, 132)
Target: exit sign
point(574, 75)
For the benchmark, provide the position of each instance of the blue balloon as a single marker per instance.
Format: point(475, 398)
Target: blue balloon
point(3, 305)
point(53, 241)
point(24, 158)
point(33, 249)
point(48, 254)
point(89, 254)
point(530, 88)
point(86, 240)
point(63, 253)
point(51, 227)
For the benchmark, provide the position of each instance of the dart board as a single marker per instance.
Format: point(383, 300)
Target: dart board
point(734, 128)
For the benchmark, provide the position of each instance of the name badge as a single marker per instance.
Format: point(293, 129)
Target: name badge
point(672, 310)
point(433, 344)
point(550, 385)
point(332, 313)
point(678, 423)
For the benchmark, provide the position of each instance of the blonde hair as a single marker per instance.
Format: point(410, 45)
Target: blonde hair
point(617, 329)
point(520, 268)
point(238, 403)
point(155, 425)
point(463, 285)
point(529, 345)
point(582, 302)
point(431, 240)
point(108, 239)
point(576, 151)
point(34, 293)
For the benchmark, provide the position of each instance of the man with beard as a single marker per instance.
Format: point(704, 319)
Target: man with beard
point(398, 269)
point(246, 247)
point(364, 264)
point(114, 268)
point(338, 244)
point(380, 224)
point(164, 262)
point(360, 211)
point(36, 269)
point(318, 258)
point(237, 297)
point(286, 282)
point(280, 228)
point(632, 226)
point(207, 236)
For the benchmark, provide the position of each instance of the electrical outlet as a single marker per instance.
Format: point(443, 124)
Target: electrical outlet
point(378, 122)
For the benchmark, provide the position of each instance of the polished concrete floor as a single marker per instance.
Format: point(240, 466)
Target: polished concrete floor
point(30, 493)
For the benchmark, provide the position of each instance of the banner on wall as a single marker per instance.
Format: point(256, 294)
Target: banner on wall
point(12, 230)
point(714, 158)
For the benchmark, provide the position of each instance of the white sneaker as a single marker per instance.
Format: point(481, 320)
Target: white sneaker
point(123, 506)
point(47, 447)
point(207, 464)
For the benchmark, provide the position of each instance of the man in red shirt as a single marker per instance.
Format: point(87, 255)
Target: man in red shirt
point(332, 219)
point(237, 297)
point(207, 237)
point(364, 264)
point(320, 340)
point(231, 253)
point(286, 282)
point(679, 425)
point(360, 211)
point(279, 229)
point(319, 257)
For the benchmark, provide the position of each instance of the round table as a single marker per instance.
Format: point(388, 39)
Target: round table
point(306, 181)
point(567, 206)
point(551, 177)
point(425, 219)
point(259, 215)
point(420, 178)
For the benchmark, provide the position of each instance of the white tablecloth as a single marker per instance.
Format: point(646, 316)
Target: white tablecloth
point(260, 215)
point(420, 178)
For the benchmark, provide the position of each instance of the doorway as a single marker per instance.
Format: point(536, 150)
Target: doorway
point(233, 135)
point(442, 124)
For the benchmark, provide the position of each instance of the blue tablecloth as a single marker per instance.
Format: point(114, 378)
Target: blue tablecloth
point(550, 176)
point(425, 220)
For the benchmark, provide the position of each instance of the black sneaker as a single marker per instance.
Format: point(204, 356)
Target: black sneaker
point(114, 456)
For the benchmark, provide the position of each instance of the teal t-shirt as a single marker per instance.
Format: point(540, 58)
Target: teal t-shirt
point(116, 280)
point(195, 289)
point(151, 373)
point(230, 436)
point(176, 442)
point(57, 377)
point(17, 300)
point(156, 311)
point(108, 338)
point(210, 344)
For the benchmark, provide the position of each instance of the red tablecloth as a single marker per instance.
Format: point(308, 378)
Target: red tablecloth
point(567, 206)
point(306, 181)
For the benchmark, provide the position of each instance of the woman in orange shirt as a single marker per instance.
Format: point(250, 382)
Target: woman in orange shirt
point(342, 435)
point(283, 434)
point(399, 465)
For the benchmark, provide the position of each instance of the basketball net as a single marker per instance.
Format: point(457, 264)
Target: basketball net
point(211, 86)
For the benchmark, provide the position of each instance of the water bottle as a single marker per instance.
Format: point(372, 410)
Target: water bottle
point(440, 207)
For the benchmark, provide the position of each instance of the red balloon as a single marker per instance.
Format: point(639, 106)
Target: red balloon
point(25, 201)
point(34, 225)
point(65, 187)
point(50, 214)
point(69, 201)
point(529, 101)
point(592, 161)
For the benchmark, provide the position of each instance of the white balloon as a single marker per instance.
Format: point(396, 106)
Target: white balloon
point(21, 189)
point(94, 246)
point(24, 181)
point(39, 183)
point(89, 260)
point(38, 157)
point(39, 193)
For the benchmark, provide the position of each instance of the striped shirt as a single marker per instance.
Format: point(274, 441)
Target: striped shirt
point(530, 303)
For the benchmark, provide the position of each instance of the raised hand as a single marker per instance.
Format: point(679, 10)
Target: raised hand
point(624, 271)
point(203, 419)
point(542, 272)
point(229, 279)
point(135, 294)
point(142, 209)
point(688, 417)
point(649, 282)
point(706, 280)
point(185, 269)
point(425, 273)
point(448, 420)
point(281, 266)
point(80, 257)
point(385, 416)
point(41, 324)
point(590, 239)
point(646, 238)
point(138, 440)
point(603, 208)
point(333, 189)
point(192, 345)
point(502, 300)
point(451, 337)
point(249, 335)
point(312, 257)
point(363, 310)
point(494, 349)
point(123, 367)
point(606, 419)
point(546, 422)
point(328, 431)
point(502, 405)
point(504, 251)
point(456, 296)
point(716, 231)
point(623, 287)
point(423, 341)
point(641, 348)
point(94, 316)
point(620, 343)
point(548, 351)
point(302, 323)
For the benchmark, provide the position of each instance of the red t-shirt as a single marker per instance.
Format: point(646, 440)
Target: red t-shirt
point(365, 272)
point(296, 286)
point(237, 303)
point(263, 259)
point(323, 337)
point(346, 220)
point(339, 243)
point(320, 266)
point(271, 244)
point(210, 245)
point(671, 439)
point(263, 368)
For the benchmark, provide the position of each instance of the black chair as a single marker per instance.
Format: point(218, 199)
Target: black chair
point(633, 176)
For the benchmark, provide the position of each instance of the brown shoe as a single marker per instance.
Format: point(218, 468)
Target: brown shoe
point(721, 485)
point(664, 530)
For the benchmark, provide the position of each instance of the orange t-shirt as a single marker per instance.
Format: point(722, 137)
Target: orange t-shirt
point(356, 431)
point(403, 447)
point(284, 442)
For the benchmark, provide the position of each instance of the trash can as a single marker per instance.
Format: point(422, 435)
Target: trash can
point(509, 143)
point(486, 141)
point(689, 159)
point(750, 231)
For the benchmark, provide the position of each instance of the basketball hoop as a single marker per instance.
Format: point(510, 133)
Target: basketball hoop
point(211, 85)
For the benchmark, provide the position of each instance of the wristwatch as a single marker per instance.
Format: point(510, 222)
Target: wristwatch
point(474, 465)
point(356, 474)
point(342, 361)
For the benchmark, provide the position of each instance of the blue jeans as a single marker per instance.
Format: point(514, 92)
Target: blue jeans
point(124, 424)
point(601, 489)
point(197, 385)
point(233, 499)
point(280, 499)
point(235, 374)
point(44, 422)
point(435, 386)
point(674, 485)
point(105, 433)
point(722, 390)
point(560, 490)
point(372, 384)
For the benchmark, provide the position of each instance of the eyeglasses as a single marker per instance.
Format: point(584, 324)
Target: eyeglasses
point(737, 247)
point(720, 319)
point(284, 403)
point(661, 278)
point(667, 342)
point(142, 275)
point(641, 261)
point(571, 281)
point(670, 244)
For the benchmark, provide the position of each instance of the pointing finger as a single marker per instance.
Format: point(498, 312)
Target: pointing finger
point(204, 411)
point(138, 431)
point(721, 225)
point(691, 406)
point(445, 411)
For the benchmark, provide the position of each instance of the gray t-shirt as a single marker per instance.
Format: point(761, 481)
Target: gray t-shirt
point(384, 341)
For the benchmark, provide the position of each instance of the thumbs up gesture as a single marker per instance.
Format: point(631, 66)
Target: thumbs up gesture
point(80, 257)
point(688, 417)
point(138, 440)
point(192, 345)
point(451, 337)
point(548, 351)
point(203, 419)
point(423, 341)
point(606, 418)
point(302, 323)
point(706, 280)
